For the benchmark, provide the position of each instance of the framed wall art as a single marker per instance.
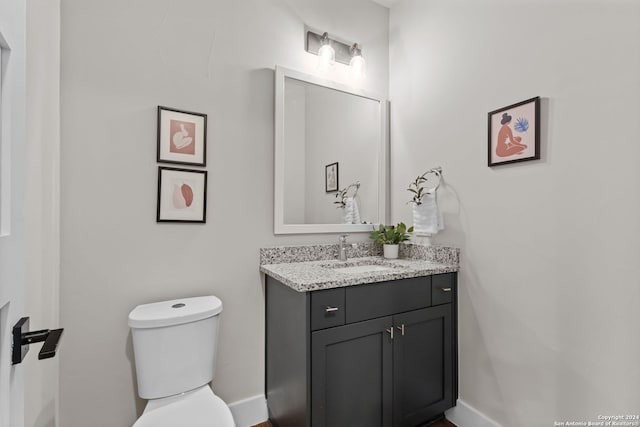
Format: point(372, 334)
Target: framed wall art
point(182, 137)
point(182, 195)
point(514, 133)
point(331, 177)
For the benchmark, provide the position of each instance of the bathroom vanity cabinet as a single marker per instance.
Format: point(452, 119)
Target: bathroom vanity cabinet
point(380, 354)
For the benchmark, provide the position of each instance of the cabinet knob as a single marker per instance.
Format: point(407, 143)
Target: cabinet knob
point(330, 309)
point(445, 289)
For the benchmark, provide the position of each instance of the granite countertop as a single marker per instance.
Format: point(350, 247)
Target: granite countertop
point(317, 275)
point(297, 268)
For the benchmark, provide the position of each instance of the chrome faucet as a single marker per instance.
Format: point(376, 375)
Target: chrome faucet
point(342, 254)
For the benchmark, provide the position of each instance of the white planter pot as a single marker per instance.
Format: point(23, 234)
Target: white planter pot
point(390, 251)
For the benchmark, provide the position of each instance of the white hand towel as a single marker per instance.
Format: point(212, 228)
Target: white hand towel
point(427, 218)
point(356, 212)
point(351, 211)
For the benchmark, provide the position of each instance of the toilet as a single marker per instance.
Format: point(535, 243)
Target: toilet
point(174, 344)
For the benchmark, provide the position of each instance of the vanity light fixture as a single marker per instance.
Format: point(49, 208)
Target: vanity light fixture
point(331, 50)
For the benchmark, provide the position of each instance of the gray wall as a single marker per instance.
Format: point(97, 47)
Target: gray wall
point(324, 126)
point(120, 59)
point(349, 135)
point(549, 282)
point(42, 199)
point(295, 147)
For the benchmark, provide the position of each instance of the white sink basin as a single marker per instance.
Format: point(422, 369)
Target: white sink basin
point(360, 269)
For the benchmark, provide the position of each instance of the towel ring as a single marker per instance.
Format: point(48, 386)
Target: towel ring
point(438, 173)
point(355, 185)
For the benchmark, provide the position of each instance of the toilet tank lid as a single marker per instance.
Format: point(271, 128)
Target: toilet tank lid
point(174, 312)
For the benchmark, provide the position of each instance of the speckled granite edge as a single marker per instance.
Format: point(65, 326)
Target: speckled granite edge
point(304, 253)
point(288, 254)
point(439, 254)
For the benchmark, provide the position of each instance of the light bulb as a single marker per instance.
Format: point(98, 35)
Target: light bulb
point(326, 54)
point(357, 65)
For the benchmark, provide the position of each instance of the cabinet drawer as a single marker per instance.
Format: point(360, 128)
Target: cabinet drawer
point(383, 299)
point(443, 286)
point(327, 308)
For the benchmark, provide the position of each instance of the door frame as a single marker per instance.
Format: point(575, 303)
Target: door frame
point(12, 180)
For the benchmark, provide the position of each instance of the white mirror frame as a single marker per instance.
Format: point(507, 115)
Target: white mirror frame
point(383, 154)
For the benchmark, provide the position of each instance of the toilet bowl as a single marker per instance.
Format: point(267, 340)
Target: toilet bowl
point(174, 346)
point(197, 408)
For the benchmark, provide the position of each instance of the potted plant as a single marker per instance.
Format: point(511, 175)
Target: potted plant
point(389, 236)
point(417, 189)
point(348, 204)
point(340, 196)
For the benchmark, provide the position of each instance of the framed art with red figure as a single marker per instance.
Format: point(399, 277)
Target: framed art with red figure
point(514, 133)
point(182, 195)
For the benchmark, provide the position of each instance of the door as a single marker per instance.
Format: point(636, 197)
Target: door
point(351, 383)
point(422, 365)
point(12, 167)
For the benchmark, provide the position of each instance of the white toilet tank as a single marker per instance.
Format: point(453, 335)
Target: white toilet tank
point(174, 344)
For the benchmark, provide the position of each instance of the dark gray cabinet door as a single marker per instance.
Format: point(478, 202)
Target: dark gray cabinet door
point(351, 375)
point(422, 365)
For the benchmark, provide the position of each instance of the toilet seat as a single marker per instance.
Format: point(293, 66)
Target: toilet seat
point(197, 408)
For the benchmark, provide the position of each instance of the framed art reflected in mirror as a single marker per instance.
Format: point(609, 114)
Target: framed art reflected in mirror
point(331, 178)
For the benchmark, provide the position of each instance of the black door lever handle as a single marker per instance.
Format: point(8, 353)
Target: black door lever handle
point(50, 345)
point(22, 338)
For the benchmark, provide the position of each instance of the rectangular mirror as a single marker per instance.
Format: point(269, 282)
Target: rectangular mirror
point(331, 151)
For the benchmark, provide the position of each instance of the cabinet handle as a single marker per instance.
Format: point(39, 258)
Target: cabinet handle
point(330, 309)
point(445, 289)
point(401, 329)
point(390, 331)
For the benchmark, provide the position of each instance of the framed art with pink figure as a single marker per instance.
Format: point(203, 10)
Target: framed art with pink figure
point(514, 133)
point(182, 137)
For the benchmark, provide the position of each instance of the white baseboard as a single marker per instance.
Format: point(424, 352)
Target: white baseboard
point(252, 411)
point(464, 415)
point(249, 412)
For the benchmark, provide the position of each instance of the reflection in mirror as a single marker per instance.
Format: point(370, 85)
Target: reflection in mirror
point(330, 156)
